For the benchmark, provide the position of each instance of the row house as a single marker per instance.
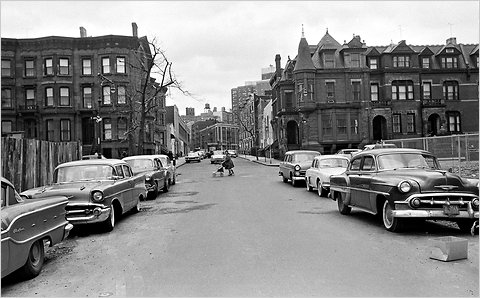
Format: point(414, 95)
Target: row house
point(334, 96)
point(79, 89)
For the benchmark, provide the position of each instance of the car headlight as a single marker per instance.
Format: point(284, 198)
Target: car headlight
point(297, 168)
point(475, 203)
point(404, 186)
point(97, 196)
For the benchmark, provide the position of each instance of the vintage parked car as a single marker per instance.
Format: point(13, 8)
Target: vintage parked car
point(233, 153)
point(404, 184)
point(193, 156)
point(348, 152)
point(218, 156)
point(156, 175)
point(170, 166)
point(27, 226)
point(295, 164)
point(379, 146)
point(98, 190)
point(324, 166)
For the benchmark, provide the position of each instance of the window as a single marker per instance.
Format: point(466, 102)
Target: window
point(6, 126)
point(6, 68)
point(64, 96)
point(453, 121)
point(356, 90)
point(450, 90)
point(87, 97)
point(410, 123)
point(427, 90)
point(329, 60)
point(121, 128)
point(356, 164)
point(65, 130)
point(30, 128)
point(354, 60)
point(341, 125)
point(6, 98)
point(64, 66)
point(373, 63)
point(30, 98)
point(326, 125)
point(107, 128)
point(86, 66)
point(449, 62)
point(368, 164)
point(106, 95)
point(301, 92)
point(401, 61)
point(120, 64)
point(288, 100)
point(29, 68)
point(397, 123)
point(330, 90)
point(402, 90)
point(425, 62)
point(121, 97)
point(353, 125)
point(49, 97)
point(105, 65)
point(127, 171)
point(119, 171)
point(50, 130)
point(48, 67)
point(374, 92)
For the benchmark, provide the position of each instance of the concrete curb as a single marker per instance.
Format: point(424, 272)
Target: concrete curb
point(260, 162)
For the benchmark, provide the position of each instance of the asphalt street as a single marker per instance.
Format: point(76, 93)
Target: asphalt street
point(250, 235)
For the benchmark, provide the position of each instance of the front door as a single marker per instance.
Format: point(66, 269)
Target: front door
point(379, 124)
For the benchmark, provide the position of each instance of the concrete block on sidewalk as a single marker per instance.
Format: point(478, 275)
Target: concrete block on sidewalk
point(449, 248)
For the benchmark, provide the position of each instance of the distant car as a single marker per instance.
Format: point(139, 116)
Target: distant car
point(27, 225)
point(171, 168)
point(405, 184)
point(217, 157)
point(156, 175)
point(378, 146)
point(202, 154)
point(348, 152)
point(295, 164)
point(98, 190)
point(233, 153)
point(193, 156)
point(324, 166)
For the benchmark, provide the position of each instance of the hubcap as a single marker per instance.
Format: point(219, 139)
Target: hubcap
point(387, 214)
point(35, 255)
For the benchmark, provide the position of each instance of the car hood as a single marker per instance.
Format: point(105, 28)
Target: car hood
point(433, 180)
point(75, 191)
point(30, 205)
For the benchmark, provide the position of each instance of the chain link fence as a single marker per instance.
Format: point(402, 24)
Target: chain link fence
point(457, 152)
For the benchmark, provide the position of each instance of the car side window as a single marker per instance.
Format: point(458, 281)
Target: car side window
point(119, 171)
point(159, 163)
point(127, 171)
point(368, 164)
point(355, 166)
point(285, 159)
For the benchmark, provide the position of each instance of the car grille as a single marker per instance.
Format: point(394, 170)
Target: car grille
point(438, 201)
point(81, 210)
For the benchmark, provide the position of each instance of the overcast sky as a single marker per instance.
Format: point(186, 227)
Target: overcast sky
point(218, 45)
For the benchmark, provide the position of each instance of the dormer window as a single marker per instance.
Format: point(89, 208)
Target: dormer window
point(329, 60)
point(401, 61)
point(373, 63)
point(449, 62)
point(355, 60)
point(449, 50)
point(425, 62)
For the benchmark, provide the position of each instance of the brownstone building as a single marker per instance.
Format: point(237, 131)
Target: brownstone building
point(79, 89)
point(334, 96)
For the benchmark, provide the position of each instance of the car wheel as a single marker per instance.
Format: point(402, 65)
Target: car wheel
point(166, 186)
point(35, 259)
point(294, 182)
point(342, 207)
point(136, 208)
point(320, 190)
point(309, 187)
point(109, 224)
point(285, 180)
point(465, 225)
point(392, 224)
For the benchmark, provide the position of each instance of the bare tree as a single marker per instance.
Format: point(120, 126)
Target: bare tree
point(251, 130)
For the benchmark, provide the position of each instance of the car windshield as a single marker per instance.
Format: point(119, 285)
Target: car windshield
point(83, 173)
point(139, 165)
point(333, 163)
point(300, 157)
point(406, 160)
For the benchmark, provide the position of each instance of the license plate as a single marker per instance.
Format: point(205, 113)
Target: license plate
point(451, 210)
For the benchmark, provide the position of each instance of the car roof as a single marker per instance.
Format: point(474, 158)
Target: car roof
point(108, 161)
point(328, 156)
point(302, 151)
point(391, 150)
point(145, 156)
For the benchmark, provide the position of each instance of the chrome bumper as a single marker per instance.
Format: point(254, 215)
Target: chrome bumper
point(433, 214)
point(67, 230)
point(98, 214)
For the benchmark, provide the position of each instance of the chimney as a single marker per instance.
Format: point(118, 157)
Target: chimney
point(277, 62)
point(83, 32)
point(134, 29)
point(452, 40)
